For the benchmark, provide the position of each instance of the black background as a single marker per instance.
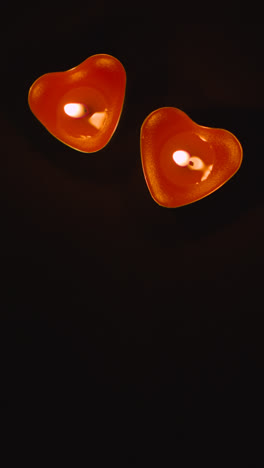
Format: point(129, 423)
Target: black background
point(133, 305)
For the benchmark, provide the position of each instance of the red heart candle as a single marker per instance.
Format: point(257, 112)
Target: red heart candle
point(81, 107)
point(183, 161)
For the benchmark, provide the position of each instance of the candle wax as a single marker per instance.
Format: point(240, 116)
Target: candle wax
point(183, 161)
point(82, 106)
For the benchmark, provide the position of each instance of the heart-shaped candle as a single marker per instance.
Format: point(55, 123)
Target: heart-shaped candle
point(183, 161)
point(81, 107)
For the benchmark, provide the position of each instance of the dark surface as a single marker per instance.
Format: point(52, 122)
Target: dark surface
point(101, 288)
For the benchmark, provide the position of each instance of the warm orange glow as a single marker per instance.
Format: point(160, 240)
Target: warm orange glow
point(196, 164)
point(82, 106)
point(97, 119)
point(183, 161)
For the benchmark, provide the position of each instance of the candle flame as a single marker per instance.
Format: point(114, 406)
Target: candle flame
point(181, 158)
point(75, 110)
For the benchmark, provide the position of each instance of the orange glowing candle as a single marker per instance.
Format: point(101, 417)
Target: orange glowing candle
point(183, 161)
point(82, 106)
